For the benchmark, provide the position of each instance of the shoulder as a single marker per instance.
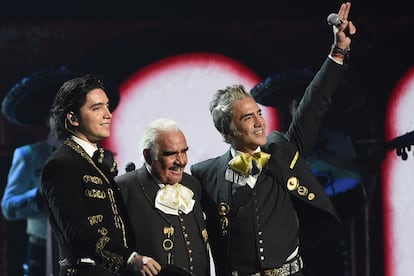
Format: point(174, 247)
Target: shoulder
point(31, 148)
point(279, 144)
point(190, 180)
point(192, 183)
point(208, 164)
point(126, 178)
point(205, 171)
point(63, 153)
point(204, 167)
point(65, 157)
point(275, 138)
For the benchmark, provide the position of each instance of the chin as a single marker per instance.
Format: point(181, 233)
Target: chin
point(176, 180)
point(261, 142)
point(106, 135)
point(264, 140)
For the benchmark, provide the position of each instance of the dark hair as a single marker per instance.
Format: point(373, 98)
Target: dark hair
point(221, 108)
point(70, 98)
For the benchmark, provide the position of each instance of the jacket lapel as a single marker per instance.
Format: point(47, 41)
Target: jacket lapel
point(224, 189)
point(147, 184)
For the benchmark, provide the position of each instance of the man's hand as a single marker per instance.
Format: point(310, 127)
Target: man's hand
point(143, 265)
point(150, 266)
point(343, 32)
point(342, 35)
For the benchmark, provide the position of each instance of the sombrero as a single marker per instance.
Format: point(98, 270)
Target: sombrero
point(29, 101)
point(281, 88)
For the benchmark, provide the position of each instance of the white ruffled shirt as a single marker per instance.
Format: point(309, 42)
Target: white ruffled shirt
point(172, 198)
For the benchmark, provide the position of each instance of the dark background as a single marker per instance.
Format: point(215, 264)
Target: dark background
point(116, 38)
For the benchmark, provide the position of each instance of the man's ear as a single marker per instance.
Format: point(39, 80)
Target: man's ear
point(230, 135)
point(72, 118)
point(147, 156)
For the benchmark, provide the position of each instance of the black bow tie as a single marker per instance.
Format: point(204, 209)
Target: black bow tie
point(105, 160)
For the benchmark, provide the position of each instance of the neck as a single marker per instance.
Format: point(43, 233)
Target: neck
point(247, 150)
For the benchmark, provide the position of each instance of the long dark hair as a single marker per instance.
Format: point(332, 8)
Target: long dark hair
point(70, 98)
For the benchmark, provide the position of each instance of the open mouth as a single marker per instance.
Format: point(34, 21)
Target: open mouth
point(259, 132)
point(176, 169)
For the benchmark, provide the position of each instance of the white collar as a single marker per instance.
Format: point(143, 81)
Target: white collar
point(88, 147)
point(235, 152)
point(235, 177)
point(157, 181)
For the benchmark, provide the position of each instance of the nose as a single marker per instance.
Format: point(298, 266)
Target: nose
point(181, 158)
point(107, 114)
point(258, 121)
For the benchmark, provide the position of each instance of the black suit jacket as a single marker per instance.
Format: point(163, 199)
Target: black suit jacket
point(287, 163)
point(139, 189)
point(86, 211)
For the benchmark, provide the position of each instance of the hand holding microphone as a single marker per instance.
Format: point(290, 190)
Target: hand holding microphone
point(343, 30)
point(334, 20)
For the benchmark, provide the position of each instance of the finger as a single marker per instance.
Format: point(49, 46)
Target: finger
point(146, 271)
point(344, 11)
point(157, 266)
point(154, 269)
point(347, 8)
point(351, 28)
point(341, 11)
point(341, 28)
point(153, 264)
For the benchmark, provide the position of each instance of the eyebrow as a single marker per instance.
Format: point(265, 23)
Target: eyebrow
point(169, 153)
point(98, 104)
point(249, 114)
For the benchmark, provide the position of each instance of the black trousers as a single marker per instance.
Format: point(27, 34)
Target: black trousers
point(85, 271)
point(35, 261)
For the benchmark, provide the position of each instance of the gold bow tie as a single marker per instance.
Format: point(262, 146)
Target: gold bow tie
point(243, 162)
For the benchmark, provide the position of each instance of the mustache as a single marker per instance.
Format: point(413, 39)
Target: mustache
point(175, 167)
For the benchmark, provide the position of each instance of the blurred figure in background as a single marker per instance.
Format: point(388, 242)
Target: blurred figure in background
point(28, 103)
point(22, 199)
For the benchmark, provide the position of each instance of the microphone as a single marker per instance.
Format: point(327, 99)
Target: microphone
point(129, 167)
point(334, 20)
point(68, 129)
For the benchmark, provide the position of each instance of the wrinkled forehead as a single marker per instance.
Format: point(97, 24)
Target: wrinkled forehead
point(171, 141)
point(244, 106)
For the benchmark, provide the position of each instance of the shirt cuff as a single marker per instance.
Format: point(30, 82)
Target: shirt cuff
point(131, 257)
point(336, 61)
